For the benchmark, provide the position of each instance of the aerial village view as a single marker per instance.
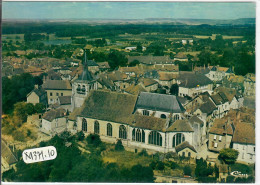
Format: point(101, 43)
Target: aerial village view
point(128, 92)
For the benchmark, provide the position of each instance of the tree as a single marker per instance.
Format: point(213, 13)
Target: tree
point(187, 170)
point(94, 139)
point(116, 59)
point(228, 155)
point(134, 63)
point(29, 108)
point(80, 136)
point(39, 108)
point(139, 48)
point(119, 146)
point(174, 89)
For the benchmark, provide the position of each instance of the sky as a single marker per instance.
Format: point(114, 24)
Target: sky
point(127, 10)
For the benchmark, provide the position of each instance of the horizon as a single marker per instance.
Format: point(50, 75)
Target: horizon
point(128, 10)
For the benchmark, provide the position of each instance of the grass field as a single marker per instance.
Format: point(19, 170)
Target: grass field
point(126, 158)
point(13, 37)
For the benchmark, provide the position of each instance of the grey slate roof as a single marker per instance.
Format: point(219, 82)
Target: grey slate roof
point(208, 107)
point(53, 114)
point(65, 100)
point(57, 84)
point(184, 145)
point(159, 102)
point(39, 92)
point(192, 80)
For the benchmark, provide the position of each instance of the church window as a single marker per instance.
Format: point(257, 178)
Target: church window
point(138, 135)
point(189, 154)
point(146, 112)
point(50, 93)
point(57, 94)
point(84, 125)
point(133, 134)
point(122, 132)
point(155, 138)
point(61, 94)
point(177, 139)
point(163, 116)
point(143, 136)
point(109, 129)
point(96, 127)
point(176, 117)
point(183, 154)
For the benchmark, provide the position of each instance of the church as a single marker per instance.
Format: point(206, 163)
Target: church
point(150, 121)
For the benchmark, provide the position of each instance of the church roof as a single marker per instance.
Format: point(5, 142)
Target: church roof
point(65, 100)
point(86, 75)
point(159, 102)
point(148, 122)
point(109, 106)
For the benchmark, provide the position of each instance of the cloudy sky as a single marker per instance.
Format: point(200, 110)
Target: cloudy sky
point(127, 10)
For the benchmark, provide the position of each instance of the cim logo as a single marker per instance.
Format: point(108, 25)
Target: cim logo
point(238, 174)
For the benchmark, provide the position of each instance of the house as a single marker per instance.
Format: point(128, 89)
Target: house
point(37, 95)
point(8, 159)
point(191, 84)
point(56, 88)
point(222, 103)
point(135, 89)
point(181, 57)
point(121, 80)
point(186, 150)
point(112, 115)
point(51, 75)
point(235, 98)
point(151, 60)
point(105, 83)
point(217, 73)
point(249, 85)
point(234, 82)
point(131, 71)
point(167, 79)
point(103, 66)
point(64, 102)
point(220, 135)
point(54, 121)
point(244, 142)
point(92, 66)
point(149, 84)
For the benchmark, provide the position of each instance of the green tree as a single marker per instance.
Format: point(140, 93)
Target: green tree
point(94, 139)
point(39, 108)
point(119, 146)
point(29, 108)
point(80, 136)
point(134, 63)
point(116, 59)
point(139, 48)
point(228, 155)
point(187, 170)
